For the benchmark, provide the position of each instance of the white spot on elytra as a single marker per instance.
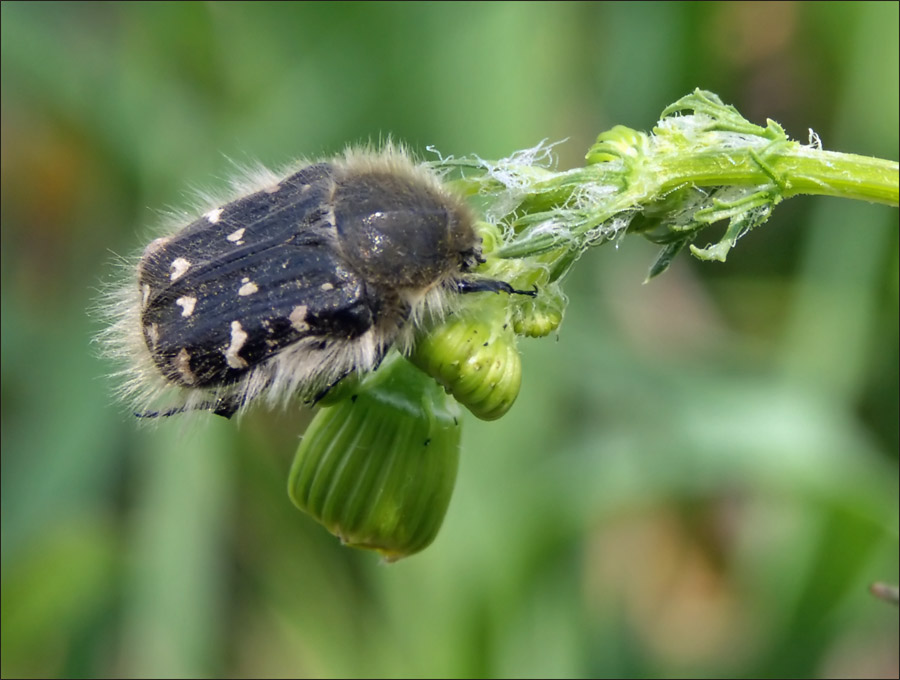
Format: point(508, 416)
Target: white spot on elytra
point(179, 266)
point(187, 305)
point(155, 245)
point(151, 333)
point(272, 189)
point(149, 253)
point(238, 338)
point(182, 365)
point(298, 318)
point(236, 236)
point(247, 287)
point(329, 217)
point(213, 215)
point(145, 295)
point(326, 286)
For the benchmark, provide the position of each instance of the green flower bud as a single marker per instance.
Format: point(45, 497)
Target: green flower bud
point(344, 389)
point(491, 237)
point(538, 317)
point(620, 142)
point(474, 356)
point(377, 469)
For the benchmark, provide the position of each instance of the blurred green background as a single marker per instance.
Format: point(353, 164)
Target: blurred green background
point(699, 478)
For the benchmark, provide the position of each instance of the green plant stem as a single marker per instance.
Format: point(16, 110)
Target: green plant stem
point(801, 170)
point(788, 168)
point(703, 163)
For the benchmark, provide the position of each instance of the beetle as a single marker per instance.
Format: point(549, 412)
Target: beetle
point(293, 284)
